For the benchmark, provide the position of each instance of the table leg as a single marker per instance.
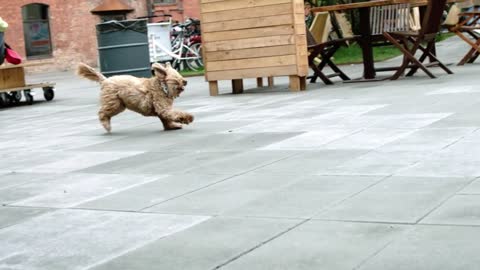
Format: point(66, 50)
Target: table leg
point(366, 43)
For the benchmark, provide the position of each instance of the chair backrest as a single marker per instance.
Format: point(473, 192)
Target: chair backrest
point(321, 27)
point(415, 23)
point(433, 17)
point(344, 26)
point(390, 18)
point(453, 15)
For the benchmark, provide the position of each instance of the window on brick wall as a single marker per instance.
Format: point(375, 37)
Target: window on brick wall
point(36, 28)
point(160, 2)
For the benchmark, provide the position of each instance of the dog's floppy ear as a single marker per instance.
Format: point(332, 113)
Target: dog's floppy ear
point(159, 70)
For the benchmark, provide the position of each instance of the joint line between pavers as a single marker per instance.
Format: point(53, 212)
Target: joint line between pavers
point(261, 244)
point(446, 199)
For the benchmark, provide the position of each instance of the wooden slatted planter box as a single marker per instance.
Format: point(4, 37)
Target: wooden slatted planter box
point(253, 39)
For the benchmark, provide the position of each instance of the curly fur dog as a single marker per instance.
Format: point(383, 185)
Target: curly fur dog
point(147, 96)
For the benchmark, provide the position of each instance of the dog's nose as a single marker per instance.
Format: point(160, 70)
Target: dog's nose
point(184, 83)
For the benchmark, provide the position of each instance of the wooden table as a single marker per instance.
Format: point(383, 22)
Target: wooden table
point(365, 40)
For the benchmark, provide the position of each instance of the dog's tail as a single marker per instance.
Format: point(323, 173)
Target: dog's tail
point(88, 72)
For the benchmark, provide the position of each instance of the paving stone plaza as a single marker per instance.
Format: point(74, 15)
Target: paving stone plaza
point(370, 176)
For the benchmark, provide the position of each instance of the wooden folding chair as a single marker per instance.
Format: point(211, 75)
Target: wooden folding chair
point(320, 48)
point(410, 42)
point(466, 23)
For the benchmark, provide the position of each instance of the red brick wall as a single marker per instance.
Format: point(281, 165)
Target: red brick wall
point(181, 10)
point(192, 8)
point(72, 30)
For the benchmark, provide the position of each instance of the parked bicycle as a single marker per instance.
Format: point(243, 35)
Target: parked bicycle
point(187, 45)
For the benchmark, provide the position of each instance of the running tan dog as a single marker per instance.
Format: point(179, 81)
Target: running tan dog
point(148, 97)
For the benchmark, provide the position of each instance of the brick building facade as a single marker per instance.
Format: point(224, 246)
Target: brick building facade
point(178, 9)
point(68, 28)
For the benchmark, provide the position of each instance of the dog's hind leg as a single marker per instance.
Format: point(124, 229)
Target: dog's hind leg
point(109, 110)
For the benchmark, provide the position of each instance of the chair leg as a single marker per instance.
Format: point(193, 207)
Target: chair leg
point(317, 69)
point(474, 57)
point(327, 59)
point(475, 47)
point(322, 76)
point(422, 58)
point(409, 54)
point(472, 54)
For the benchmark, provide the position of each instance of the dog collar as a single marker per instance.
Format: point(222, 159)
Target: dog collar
point(164, 88)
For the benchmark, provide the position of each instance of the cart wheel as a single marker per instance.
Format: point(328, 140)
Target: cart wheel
point(3, 99)
point(48, 93)
point(28, 97)
point(16, 96)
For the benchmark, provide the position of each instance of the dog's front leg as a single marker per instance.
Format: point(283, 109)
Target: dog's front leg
point(182, 117)
point(171, 119)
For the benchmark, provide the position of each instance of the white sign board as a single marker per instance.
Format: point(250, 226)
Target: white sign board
point(159, 42)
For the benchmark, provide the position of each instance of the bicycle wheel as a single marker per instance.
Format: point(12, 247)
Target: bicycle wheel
point(194, 57)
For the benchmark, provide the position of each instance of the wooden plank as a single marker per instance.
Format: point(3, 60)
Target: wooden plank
point(249, 43)
point(213, 86)
point(12, 77)
point(250, 53)
point(237, 4)
point(300, 29)
point(247, 23)
point(301, 55)
point(272, 61)
point(252, 73)
point(237, 86)
point(246, 13)
point(248, 33)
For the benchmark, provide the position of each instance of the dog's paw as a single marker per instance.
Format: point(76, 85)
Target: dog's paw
point(186, 119)
point(173, 126)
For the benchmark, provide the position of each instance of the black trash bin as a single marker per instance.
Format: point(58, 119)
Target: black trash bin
point(123, 48)
point(2, 48)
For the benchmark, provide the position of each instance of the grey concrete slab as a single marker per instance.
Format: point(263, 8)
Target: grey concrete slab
point(321, 245)
point(314, 140)
point(370, 138)
point(153, 193)
point(226, 195)
point(396, 199)
point(83, 239)
point(243, 162)
point(473, 188)
point(205, 246)
point(154, 163)
point(10, 216)
point(443, 168)
point(427, 140)
point(229, 141)
point(376, 163)
point(306, 197)
point(430, 247)
point(58, 162)
point(9, 180)
point(458, 210)
point(311, 162)
point(69, 190)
